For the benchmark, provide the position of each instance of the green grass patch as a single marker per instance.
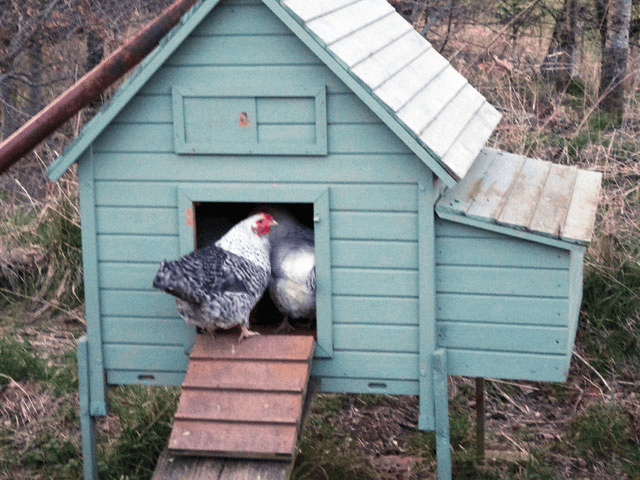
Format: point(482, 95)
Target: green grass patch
point(610, 330)
point(324, 455)
point(145, 415)
point(603, 434)
point(18, 362)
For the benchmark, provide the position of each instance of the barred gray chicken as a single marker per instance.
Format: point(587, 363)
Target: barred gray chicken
point(218, 286)
point(292, 285)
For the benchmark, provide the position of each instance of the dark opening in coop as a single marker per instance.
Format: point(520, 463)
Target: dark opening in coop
point(214, 219)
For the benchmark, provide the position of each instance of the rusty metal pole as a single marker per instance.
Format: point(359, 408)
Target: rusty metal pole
point(90, 86)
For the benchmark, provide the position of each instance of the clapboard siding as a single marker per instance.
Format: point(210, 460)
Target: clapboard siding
point(158, 138)
point(238, 50)
point(503, 301)
point(342, 108)
point(350, 196)
point(361, 168)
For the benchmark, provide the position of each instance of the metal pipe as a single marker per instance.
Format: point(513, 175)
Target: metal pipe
point(90, 86)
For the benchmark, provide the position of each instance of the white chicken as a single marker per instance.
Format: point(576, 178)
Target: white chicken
point(292, 285)
point(217, 286)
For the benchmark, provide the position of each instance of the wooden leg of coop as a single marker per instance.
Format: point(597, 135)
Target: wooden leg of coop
point(441, 400)
point(87, 422)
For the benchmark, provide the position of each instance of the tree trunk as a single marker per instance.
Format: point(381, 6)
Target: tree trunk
point(613, 67)
point(564, 54)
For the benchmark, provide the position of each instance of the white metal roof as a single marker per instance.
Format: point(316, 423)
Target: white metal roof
point(401, 68)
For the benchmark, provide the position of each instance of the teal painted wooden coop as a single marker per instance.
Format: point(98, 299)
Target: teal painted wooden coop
point(435, 256)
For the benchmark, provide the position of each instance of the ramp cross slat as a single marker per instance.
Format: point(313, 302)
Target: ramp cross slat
point(243, 399)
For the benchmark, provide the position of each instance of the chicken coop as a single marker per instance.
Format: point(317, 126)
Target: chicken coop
point(435, 255)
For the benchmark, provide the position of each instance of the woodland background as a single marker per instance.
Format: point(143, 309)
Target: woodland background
point(564, 73)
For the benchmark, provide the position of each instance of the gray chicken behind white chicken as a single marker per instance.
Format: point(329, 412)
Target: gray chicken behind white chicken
point(292, 285)
point(217, 286)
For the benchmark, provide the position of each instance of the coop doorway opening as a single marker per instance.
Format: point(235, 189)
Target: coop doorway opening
point(213, 219)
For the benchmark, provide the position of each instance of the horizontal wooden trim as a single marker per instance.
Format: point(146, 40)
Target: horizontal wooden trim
point(360, 168)
point(502, 337)
point(344, 196)
point(513, 366)
point(380, 365)
point(502, 309)
point(504, 252)
point(376, 338)
point(507, 281)
point(159, 138)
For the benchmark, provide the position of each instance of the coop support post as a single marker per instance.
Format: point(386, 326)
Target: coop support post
point(87, 421)
point(441, 400)
point(427, 194)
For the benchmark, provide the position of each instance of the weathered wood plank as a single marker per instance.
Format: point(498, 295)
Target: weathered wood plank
point(457, 200)
point(519, 207)
point(490, 191)
point(233, 406)
point(266, 347)
point(581, 215)
point(174, 467)
point(240, 440)
point(555, 197)
point(504, 338)
point(255, 375)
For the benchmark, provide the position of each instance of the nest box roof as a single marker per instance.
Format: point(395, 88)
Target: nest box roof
point(376, 53)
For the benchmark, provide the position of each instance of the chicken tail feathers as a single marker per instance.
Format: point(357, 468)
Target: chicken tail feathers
point(171, 279)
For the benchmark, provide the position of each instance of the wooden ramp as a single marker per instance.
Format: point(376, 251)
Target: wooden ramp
point(243, 399)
